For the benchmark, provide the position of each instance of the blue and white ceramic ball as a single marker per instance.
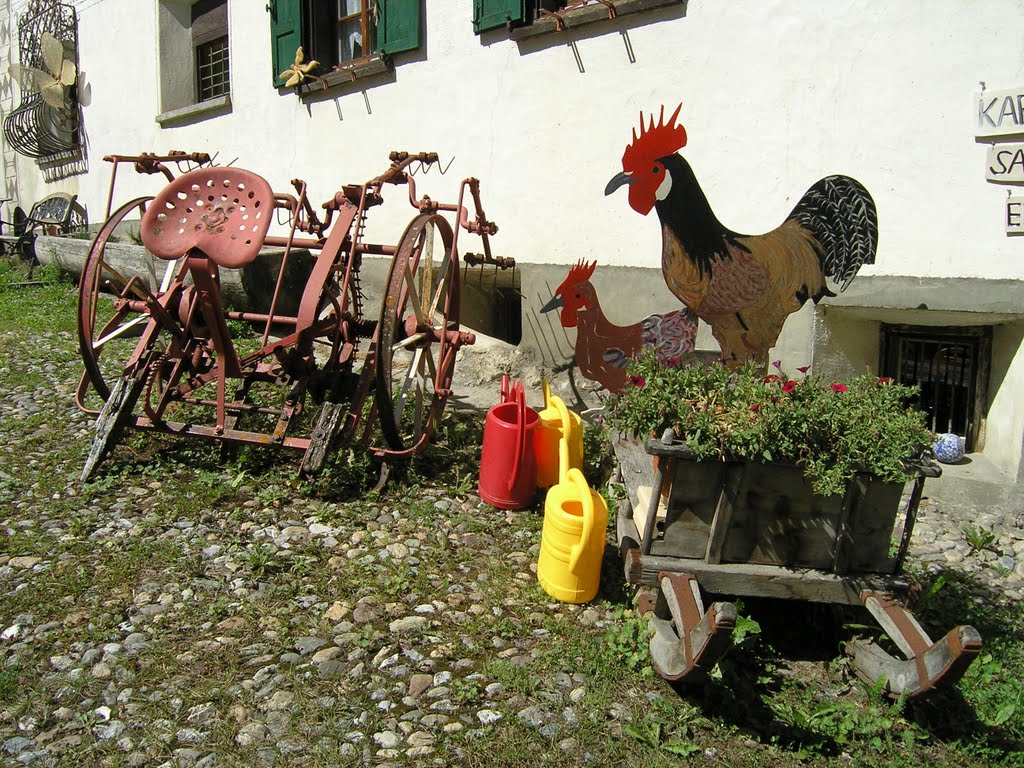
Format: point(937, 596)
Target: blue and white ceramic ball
point(949, 448)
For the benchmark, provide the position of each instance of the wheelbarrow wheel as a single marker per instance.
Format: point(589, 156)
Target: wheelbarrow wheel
point(418, 321)
point(112, 313)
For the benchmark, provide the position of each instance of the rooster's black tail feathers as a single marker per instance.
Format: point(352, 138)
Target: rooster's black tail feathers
point(841, 215)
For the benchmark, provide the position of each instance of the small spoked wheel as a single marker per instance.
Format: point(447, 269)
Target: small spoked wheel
point(418, 334)
point(112, 306)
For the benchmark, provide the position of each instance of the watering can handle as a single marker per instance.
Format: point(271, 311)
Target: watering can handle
point(505, 388)
point(546, 388)
point(520, 398)
point(563, 411)
point(577, 479)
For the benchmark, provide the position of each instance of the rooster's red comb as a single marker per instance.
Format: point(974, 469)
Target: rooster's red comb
point(579, 272)
point(655, 141)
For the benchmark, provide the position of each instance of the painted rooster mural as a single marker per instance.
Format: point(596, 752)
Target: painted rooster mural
point(603, 350)
point(744, 286)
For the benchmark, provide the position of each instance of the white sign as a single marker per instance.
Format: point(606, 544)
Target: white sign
point(1014, 215)
point(1005, 163)
point(998, 113)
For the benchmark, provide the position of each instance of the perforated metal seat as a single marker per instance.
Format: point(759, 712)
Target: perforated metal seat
point(223, 212)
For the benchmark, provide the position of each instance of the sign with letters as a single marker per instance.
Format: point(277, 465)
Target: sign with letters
point(1014, 215)
point(999, 113)
point(1005, 163)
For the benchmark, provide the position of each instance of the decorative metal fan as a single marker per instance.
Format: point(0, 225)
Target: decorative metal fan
point(52, 85)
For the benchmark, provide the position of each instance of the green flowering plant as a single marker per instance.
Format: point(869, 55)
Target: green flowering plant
point(831, 429)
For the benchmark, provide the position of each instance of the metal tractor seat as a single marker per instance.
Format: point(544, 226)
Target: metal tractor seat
point(223, 212)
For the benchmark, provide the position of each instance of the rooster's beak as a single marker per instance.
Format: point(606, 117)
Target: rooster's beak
point(617, 181)
point(555, 303)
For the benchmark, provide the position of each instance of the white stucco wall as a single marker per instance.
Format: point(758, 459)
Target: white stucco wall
point(776, 94)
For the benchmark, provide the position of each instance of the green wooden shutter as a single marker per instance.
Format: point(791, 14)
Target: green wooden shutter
point(398, 28)
point(491, 14)
point(285, 33)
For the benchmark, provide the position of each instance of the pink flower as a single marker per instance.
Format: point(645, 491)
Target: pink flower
point(789, 386)
point(804, 369)
point(755, 407)
point(638, 381)
point(777, 364)
point(884, 380)
point(839, 388)
point(771, 378)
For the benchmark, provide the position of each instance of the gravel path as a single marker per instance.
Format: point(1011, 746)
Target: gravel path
point(291, 629)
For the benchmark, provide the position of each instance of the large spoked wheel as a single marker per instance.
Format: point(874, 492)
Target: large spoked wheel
point(112, 309)
point(419, 321)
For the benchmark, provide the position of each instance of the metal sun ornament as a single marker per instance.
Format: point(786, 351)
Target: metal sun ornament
point(300, 71)
point(52, 85)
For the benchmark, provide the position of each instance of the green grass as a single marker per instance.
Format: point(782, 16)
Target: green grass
point(770, 702)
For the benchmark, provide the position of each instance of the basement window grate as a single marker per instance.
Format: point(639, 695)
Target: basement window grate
point(949, 365)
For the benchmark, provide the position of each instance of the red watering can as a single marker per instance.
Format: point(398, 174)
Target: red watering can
point(508, 468)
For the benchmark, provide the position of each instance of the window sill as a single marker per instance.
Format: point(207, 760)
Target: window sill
point(588, 14)
point(337, 77)
point(193, 113)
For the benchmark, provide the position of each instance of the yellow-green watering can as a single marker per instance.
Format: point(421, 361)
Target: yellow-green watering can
point(556, 421)
point(573, 537)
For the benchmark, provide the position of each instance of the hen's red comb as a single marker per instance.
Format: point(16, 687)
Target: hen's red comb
point(655, 141)
point(578, 273)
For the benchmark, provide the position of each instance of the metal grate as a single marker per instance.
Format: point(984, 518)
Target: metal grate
point(212, 69)
point(948, 365)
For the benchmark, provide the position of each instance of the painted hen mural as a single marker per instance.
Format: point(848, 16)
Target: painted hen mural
point(744, 286)
point(603, 350)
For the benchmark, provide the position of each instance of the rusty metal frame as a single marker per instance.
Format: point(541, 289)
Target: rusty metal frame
point(199, 352)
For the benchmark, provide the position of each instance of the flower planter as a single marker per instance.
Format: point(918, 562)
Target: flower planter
point(749, 529)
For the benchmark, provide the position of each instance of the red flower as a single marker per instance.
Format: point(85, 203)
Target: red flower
point(638, 381)
point(804, 369)
point(884, 380)
point(771, 378)
point(789, 386)
point(755, 407)
point(839, 388)
point(673, 362)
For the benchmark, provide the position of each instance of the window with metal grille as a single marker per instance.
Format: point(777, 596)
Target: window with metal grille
point(210, 40)
point(950, 365)
point(212, 69)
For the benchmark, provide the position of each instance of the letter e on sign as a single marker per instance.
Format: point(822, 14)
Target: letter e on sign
point(1014, 215)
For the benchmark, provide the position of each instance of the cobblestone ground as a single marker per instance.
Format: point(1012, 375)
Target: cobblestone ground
point(209, 618)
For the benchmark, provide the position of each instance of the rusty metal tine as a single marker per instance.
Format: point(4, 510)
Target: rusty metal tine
point(284, 265)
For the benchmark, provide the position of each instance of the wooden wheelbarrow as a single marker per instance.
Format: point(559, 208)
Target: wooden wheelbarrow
point(756, 530)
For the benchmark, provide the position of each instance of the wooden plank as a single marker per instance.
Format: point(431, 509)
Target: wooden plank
point(840, 555)
point(636, 466)
point(660, 476)
point(916, 491)
point(643, 508)
point(752, 580)
point(693, 499)
point(731, 488)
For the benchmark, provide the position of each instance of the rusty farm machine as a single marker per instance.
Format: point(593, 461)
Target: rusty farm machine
point(163, 351)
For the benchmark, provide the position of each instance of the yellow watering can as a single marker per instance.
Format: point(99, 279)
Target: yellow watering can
point(556, 422)
point(572, 540)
